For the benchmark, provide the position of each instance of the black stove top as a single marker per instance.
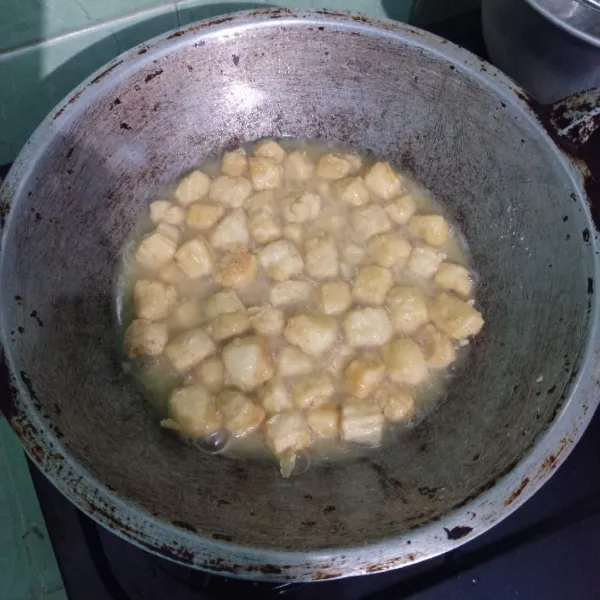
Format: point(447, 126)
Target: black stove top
point(549, 548)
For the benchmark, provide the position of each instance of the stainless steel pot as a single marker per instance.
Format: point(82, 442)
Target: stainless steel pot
point(458, 125)
point(550, 47)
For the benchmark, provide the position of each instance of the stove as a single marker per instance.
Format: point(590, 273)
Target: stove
point(549, 548)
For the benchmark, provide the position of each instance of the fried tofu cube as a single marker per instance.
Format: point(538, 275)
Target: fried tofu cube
point(226, 301)
point(312, 390)
point(236, 268)
point(281, 260)
point(433, 229)
point(231, 231)
point(287, 432)
point(367, 327)
point(405, 362)
point(287, 293)
point(169, 231)
point(194, 258)
point(298, 167)
point(240, 415)
point(265, 173)
point(275, 397)
point(333, 166)
point(155, 251)
point(211, 373)
point(272, 150)
point(383, 182)
point(455, 278)
point(397, 404)
point(321, 257)
point(311, 333)
point(408, 308)
point(266, 320)
point(303, 208)
point(186, 315)
point(389, 250)
point(354, 254)
point(266, 201)
point(437, 348)
point(362, 423)
point(248, 362)
point(263, 227)
point(338, 358)
point(235, 163)
point(425, 261)
point(352, 191)
point(230, 191)
point(172, 274)
point(454, 317)
point(228, 325)
point(324, 421)
point(163, 211)
point(369, 220)
point(294, 233)
point(355, 162)
point(292, 362)
point(189, 349)
point(400, 210)
point(203, 216)
point(192, 188)
point(152, 300)
point(371, 285)
point(193, 411)
point(145, 338)
point(334, 298)
point(363, 375)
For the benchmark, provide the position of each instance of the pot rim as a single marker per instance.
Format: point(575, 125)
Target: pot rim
point(463, 523)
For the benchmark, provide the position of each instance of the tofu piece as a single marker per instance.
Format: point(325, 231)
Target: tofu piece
point(363, 376)
point(311, 333)
point(354, 254)
point(152, 300)
point(234, 163)
point(228, 325)
point(383, 182)
point(408, 308)
point(401, 209)
point(169, 231)
point(189, 349)
point(211, 374)
point(264, 227)
point(155, 251)
point(323, 188)
point(338, 359)
point(362, 423)
point(298, 167)
point(230, 191)
point(455, 278)
point(203, 216)
point(294, 233)
point(236, 268)
point(333, 166)
point(355, 161)
point(351, 191)
point(193, 411)
point(248, 362)
point(272, 150)
point(231, 231)
point(186, 315)
point(266, 174)
point(192, 188)
point(266, 201)
point(145, 338)
point(424, 261)
point(321, 257)
point(346, 271)
point(240, 415)
point(334, 298)
point(292, 362)
point(275, 397)
point(433, 229)
point(366, 327)
point(281, 260)
point(397, 404)
point(405, 362)
point(172, 274)
point(311, 391)
point(226, 301)
point(302, 208)
point(287, 432)
point(163, 211)
point(369, 220)
point(324, 421)
point(288, 293)
point(371, 285)
point(266, 320)
point(437, 348)
point(194, 258)
point(389, 250)
point(454, 317)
